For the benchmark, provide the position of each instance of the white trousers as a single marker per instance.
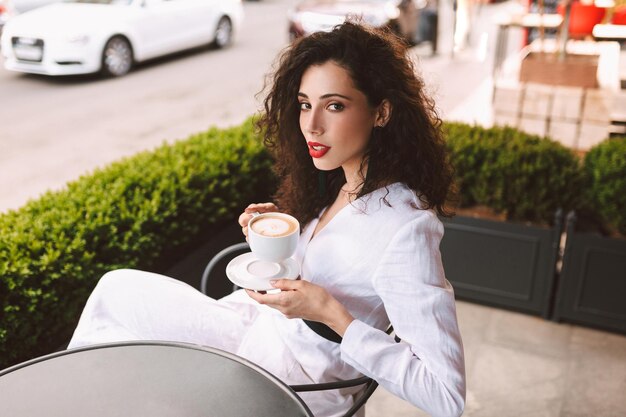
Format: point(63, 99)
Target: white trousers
point(129, 305)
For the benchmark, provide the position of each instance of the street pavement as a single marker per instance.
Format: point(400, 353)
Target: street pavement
point(52, 130)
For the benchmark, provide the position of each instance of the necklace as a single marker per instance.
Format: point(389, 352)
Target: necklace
point(350, 194)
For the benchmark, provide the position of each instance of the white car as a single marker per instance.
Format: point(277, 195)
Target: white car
point(86, 36)
point(22, 6)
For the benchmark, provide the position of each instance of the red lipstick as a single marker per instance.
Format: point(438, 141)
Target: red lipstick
point(317, 150)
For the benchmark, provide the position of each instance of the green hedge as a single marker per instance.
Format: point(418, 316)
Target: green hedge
point(144, 211)
point(605, 175)
point(524, 176)
point(134, 213)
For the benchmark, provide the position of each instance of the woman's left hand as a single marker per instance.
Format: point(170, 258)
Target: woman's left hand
point(302, 299)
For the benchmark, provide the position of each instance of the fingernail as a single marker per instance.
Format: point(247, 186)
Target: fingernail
point(273, 282)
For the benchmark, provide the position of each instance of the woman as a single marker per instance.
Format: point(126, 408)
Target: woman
point(364, 169)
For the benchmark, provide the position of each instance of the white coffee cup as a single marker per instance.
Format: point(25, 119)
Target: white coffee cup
point(273, 236)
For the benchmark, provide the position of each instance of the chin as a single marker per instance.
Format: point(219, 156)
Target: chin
point(324, 165)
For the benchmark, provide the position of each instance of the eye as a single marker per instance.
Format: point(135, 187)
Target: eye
point(336, 106)
point(304, 106)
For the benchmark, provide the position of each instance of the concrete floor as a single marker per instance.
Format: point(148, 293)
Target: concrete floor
point(521, 365)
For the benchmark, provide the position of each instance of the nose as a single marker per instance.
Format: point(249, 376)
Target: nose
point(311, 122)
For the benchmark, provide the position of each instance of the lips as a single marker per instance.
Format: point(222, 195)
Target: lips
point(317, 150)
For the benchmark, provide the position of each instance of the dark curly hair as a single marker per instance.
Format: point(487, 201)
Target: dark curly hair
point(409, 148)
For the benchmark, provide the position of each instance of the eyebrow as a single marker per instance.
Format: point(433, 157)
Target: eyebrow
point(325, 96)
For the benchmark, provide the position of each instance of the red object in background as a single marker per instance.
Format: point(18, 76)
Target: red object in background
point(619, 16)
point(582, 18)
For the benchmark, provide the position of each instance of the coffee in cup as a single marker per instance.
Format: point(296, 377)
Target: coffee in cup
point(274, 225)
point(273, 236)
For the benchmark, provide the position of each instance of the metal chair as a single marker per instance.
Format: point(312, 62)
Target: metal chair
point(369, 385)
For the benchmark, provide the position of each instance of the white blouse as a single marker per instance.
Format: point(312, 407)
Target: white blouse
point(383, 264)
point(381, 261)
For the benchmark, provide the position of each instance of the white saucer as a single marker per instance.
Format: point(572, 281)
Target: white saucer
point(247, 271)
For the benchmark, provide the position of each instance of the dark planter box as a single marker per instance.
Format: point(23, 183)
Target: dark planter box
point(501, 264)
point(592, 284)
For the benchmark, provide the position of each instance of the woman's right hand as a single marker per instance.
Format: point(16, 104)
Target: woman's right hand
point(245, 217)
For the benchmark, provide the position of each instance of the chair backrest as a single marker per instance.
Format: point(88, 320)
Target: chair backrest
point(215, 269)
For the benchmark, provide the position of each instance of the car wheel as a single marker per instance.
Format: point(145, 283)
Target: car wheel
point(223, 33)
point(117, 57)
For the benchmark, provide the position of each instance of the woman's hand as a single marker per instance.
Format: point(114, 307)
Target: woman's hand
point(244, 218)
point(302, 299)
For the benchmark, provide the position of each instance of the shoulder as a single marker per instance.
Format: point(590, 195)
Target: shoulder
point(396, 199)
point(396, 211)
point(413, 251)
point(372, 201)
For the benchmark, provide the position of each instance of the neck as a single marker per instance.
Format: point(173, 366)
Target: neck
point(354, 178)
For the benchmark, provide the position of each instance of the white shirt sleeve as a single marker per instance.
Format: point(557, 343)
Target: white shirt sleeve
point(427, 367)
